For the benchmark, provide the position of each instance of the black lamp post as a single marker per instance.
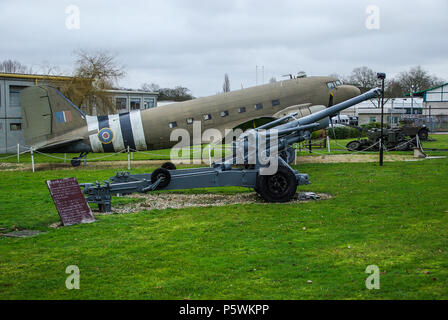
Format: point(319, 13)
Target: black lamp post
point(381, 76)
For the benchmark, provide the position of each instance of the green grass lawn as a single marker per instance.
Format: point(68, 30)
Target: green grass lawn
point(395, 217)
point(336, 147)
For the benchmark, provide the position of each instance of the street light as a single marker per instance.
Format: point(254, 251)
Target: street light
point(381, 76)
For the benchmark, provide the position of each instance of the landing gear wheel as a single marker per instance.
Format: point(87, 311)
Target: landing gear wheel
point(161, 173)
point(353, 145)
point(280, 187)
point(76, 162)
point(169, 166)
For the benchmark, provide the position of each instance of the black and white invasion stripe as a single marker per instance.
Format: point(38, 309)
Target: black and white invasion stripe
point(127, 129)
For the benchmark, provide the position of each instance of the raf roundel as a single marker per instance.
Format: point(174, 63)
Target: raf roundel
point(106, 135)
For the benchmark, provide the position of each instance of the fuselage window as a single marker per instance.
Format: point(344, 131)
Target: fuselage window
point(224, 113)
point(275, 103)
point(330, 85)
point(338, 83)
point(173, 124)
point(258, 106)
point(242, 109)
point(207, 117)
point(190, 120)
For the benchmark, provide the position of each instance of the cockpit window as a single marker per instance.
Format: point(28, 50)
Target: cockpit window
point(334, 84)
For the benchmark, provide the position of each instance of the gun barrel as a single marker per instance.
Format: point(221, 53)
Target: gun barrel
point(273, 123)
point(339, 107)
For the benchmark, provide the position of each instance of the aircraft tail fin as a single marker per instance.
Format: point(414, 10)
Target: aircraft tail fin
point(47, 113)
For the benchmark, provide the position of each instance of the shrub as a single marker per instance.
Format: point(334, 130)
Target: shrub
point(343, 133)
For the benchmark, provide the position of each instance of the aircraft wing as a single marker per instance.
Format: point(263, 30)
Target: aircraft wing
point(53, 143)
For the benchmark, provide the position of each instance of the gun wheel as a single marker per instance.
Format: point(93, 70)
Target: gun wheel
point(161, 173)
point(289, 155)
point(169, 166)
point(280, 187)
point(423, 134)
point(353, 145)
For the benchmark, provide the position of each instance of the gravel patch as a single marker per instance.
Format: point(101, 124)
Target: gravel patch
point(176, 201)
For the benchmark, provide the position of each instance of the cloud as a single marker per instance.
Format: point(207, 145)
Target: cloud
point(193, 43)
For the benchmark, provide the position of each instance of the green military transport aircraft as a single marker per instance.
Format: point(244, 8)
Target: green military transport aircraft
point(52, 123)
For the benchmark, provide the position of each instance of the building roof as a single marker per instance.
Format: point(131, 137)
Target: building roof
point(34, 76)
point(422, 92)
point(118, 91)
point(378, 111)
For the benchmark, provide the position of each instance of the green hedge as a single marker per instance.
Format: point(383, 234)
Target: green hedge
point(343, 133)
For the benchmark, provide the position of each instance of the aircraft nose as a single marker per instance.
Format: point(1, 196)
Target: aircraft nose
point(345, 92)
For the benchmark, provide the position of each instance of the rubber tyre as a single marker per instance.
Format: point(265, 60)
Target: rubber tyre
point(161, 172)
point(169, 166)
point(280, 187)
point(289, 155)
point(76, 162)
point(423, 134)
point(353, 145)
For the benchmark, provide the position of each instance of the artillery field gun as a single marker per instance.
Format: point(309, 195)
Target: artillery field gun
point(401, 138)
point(244, 168)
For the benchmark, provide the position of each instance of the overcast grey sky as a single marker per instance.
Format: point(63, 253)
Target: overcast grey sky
point(194, 42)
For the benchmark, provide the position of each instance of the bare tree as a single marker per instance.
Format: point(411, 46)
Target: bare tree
point(364, 78)
point(417, 79)
point(179, 93)
point(48, 69)
point(13, 66)
point(151, 87)
point(226, 84)
point(393, 89)
point(94, 73)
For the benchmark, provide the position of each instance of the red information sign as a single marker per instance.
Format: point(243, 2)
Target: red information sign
point(69, 201)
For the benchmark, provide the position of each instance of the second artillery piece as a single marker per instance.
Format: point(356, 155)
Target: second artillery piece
point(401, 138)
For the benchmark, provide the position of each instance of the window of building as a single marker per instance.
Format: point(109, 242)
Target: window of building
point(372, 119)
point(14, 95)
point(148, 103)
point(275, 103)
point(224, 113)
point(258, 106)
point(15, 126)
point(121, 103)
point(135, 103)
point(173, 124)
point(207, 117)
point(190, 120)
point(242, 109)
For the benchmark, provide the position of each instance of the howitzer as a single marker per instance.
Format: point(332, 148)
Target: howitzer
point(259, 160)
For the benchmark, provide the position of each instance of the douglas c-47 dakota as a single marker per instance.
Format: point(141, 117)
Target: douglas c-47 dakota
point(53, 124)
